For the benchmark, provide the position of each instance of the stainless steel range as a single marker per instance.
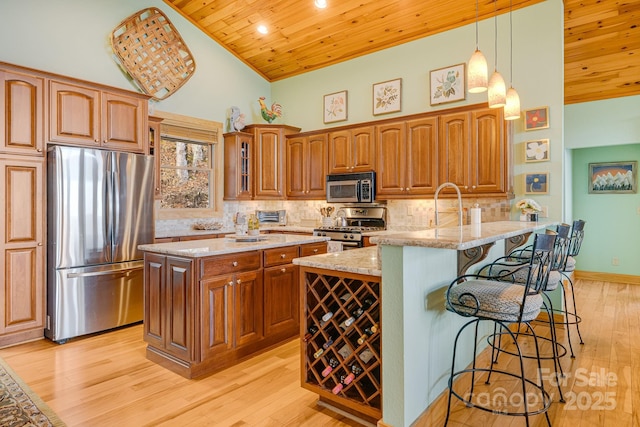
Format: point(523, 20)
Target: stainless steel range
point(352, 222)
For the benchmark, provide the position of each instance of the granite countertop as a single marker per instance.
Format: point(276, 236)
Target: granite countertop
point(360, 261)
point(461, 237)
point(177, 232)
point(221, 246)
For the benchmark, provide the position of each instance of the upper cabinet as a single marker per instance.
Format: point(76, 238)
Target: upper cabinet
point(83, 115)
point(255, 162)
point(406, 158)
point(306, 160)
point(22, 112)
point(352, 150)
point(238, 155)
point(473, 153)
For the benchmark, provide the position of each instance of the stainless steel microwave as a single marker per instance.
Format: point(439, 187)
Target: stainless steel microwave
point(351, 187)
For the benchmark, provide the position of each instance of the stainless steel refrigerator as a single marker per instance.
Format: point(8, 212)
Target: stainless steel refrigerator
point(99, 209)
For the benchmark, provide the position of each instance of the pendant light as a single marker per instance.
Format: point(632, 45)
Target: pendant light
point(512, 106)
point(497, 90)
point(477, 70)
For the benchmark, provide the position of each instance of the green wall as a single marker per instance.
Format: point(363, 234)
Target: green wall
point(604, 131)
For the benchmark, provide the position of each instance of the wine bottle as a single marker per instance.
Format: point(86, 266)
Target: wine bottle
point(355, 371)
point(318, 353)
point(368, 302)
point(348, 322)
point(337, 389)
point(332, 364)
point(357, 312)
point(311, 331)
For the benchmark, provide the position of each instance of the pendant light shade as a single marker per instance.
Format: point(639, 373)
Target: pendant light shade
point(512, 107)
point(497, 91)
point(477, 73)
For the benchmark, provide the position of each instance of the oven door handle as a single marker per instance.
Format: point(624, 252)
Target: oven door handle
point(356, 244)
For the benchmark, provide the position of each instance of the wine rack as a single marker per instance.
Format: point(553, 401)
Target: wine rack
point(341, 333)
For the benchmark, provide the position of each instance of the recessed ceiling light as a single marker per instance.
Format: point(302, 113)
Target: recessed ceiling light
point(320, 4)
point(262, 29)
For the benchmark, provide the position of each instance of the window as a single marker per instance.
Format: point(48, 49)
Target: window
point(190, 164)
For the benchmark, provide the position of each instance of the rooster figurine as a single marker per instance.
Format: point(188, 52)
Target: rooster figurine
point(269, 115)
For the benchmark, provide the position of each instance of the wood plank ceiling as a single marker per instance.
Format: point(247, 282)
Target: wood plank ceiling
point(602, 37)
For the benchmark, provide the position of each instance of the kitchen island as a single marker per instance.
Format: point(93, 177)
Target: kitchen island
point(417, 268)
point(209, 304)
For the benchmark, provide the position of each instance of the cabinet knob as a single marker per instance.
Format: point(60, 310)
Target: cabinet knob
point(234, 263)
point(315, 251)
point(238, 281)
point(283, 270)
point(157, 188)
point(96, 140)
point(39, 150)
point(473, 187)
point(230, 283)
point(283, 256)
point(39, 243)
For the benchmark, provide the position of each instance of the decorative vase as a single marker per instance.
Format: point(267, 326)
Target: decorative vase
point(524, 217)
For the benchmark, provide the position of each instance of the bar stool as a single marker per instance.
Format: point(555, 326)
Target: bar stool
point(496, 299)
point(511, 263)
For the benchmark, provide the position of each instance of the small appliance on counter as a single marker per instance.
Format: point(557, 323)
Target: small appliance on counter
point(277, 217)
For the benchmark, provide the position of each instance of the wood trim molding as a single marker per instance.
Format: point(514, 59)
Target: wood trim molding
point(607, 277)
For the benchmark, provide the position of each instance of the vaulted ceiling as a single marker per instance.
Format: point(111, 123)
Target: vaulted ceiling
point(602, 37)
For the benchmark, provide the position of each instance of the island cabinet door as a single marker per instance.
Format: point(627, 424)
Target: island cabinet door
point(180, 301)
point(247, 315)
point(154, 301)
point(281, 300)
point(216, 302)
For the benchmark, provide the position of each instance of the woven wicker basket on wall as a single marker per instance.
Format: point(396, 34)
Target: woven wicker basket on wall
point(150, 49)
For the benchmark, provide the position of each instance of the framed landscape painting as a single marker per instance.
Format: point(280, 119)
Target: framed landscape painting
point(335, 107)
point(613, 177)
point(447, 84)
point(536, 183)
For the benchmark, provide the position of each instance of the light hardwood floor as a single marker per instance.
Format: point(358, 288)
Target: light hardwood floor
point(105, 380)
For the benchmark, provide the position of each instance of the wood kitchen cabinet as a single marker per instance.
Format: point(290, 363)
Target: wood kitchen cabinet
point(169, 301)
point(269, 159)
point(22, 257)
point(205, 314)
point(22, 112)
point(472, 151)
point(352, 150)
point(238, 166)
point(406, 154)
point(306, 166)
point(91, 116)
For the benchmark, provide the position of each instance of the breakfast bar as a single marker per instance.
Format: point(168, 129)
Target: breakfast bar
point(417, 339)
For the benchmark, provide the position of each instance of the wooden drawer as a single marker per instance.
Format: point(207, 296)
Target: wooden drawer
point(232, 263)
point(313, 249)
point(200, 237)
point(279, 256)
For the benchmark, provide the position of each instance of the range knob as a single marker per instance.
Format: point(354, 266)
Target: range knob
point(352, 237)
point(345, 236)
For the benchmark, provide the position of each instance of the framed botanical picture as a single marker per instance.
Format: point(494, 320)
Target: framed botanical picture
point(613, 177)
point(447, 84)
point(335, 107)
point(536, 118)
point(536, 183)
point(387, 97)
point(536, 151)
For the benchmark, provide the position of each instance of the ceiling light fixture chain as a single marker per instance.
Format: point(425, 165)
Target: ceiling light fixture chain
point(477, 69)
point(512, 105)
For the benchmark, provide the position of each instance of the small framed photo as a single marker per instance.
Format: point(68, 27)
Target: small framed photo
point(536, 118)
point(613, 177)
point(536, 151)
point(387, 97)
point(335, 107)
point(447, 84)
point(536, 183)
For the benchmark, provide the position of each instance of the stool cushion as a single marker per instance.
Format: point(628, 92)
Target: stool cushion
point(519, 276)
point(571, 264)
point(498, 300)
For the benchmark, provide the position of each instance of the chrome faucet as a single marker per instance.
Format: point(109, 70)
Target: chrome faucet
point(435, 200)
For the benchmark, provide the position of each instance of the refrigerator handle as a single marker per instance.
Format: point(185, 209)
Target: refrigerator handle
point(113, 191)
point(103, 273)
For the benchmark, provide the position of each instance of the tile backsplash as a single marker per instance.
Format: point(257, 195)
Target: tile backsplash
point(401, 214)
